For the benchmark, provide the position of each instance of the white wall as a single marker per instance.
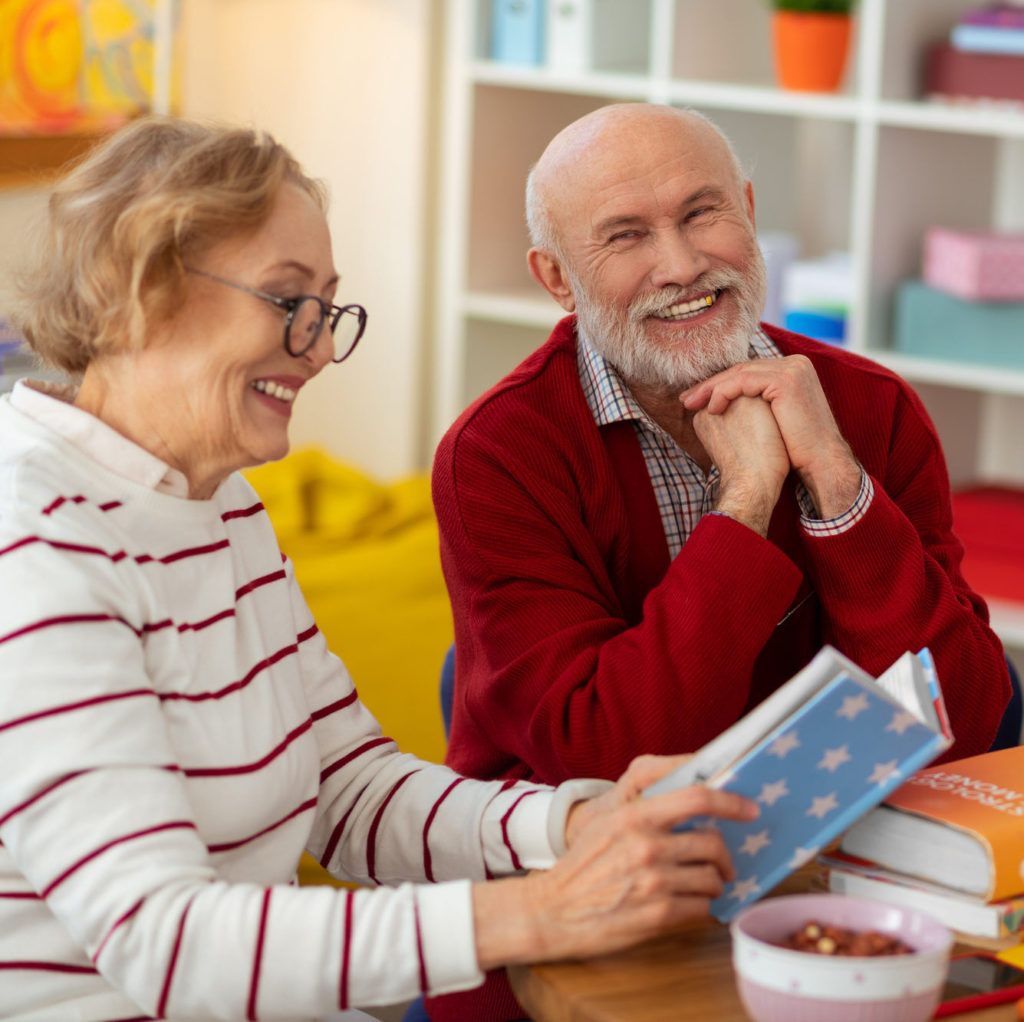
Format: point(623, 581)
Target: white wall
point(345, 84)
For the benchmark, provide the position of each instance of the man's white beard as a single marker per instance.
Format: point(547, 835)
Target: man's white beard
point(710, 347)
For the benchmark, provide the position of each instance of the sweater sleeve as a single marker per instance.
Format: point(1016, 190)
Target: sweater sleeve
point(893, 582)
point(103, 828)
point(555, 681)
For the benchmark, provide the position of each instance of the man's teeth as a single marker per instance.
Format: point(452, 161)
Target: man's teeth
point(285, 394)
point(687, 308)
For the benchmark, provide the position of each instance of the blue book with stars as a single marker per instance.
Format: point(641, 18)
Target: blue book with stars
point(816, 755)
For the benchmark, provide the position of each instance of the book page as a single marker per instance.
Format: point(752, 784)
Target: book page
point(907, 683)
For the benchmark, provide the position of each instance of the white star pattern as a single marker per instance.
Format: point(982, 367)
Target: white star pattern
point(821, 805)
point(801, 856)
point(755, 842)
point(771, 793)
point(883, 772)
point(901, 720)
point(783, 744)
point(852, 705)
point(838, 753)
point(743, 889)
point(834, 758)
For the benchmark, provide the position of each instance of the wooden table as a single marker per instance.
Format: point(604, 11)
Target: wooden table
point(687, 978)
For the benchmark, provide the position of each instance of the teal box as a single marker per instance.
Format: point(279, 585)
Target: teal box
point(937, 325)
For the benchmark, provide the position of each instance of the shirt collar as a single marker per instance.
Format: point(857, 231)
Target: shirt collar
point(607, 395)
point(50, 404)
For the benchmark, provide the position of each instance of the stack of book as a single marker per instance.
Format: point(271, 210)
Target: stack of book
point(982, 60)
point(949, 842)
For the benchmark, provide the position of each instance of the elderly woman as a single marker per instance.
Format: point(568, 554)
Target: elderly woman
point(173, 729)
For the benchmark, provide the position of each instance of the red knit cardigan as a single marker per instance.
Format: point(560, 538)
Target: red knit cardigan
point(580, 643)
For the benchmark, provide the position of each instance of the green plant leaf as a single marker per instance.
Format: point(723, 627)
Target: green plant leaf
point(819, 6)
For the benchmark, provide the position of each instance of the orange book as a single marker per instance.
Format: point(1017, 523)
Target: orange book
point(960, 824)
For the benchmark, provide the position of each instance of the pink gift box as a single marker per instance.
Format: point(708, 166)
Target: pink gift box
point(979, 266)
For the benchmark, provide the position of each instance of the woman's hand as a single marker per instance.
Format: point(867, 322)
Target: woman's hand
point(627, 876)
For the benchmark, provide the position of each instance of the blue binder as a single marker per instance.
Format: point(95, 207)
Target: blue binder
point(518, 31)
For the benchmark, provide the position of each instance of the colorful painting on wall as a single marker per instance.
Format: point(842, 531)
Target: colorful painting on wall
point(77, 65)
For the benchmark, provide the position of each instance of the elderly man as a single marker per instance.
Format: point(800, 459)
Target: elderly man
point(667, 509)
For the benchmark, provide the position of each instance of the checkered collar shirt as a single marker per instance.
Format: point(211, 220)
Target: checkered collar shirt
point(684, 494)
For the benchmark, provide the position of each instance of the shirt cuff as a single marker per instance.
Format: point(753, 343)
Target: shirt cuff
point(447, 938)
point(565, 797)
point(815, 526)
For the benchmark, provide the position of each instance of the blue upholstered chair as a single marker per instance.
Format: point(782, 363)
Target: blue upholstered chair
point(1009, 733)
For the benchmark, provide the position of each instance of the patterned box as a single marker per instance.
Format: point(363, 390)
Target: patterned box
point(977, 266)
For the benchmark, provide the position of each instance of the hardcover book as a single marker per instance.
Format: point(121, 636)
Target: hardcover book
point(968, 914)
point(816, 755)
point(960, 825)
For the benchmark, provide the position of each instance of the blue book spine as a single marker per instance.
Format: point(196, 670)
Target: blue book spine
point(813, 777)
point(517, 34)
point(988, 39)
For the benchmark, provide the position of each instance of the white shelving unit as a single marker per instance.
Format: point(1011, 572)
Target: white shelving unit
point(864, 170)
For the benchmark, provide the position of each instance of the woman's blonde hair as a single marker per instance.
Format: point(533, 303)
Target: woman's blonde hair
point(126, 219)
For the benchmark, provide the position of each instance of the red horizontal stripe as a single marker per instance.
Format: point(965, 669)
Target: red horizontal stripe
point(275, 576)
point(19, 896)
point(339, 829)
point(257, 961)
point(243, 512)
point(259, 764)
point(40, 794)
point(428, 869)
point(346, 944)
point(51, 507)
point(65, 619)
point(195, 551)
point(234, 686)
point(193, 626)
point(30, 966)
point(307, 634)
point(306, 806)
point(165, 991)
point(516, 864)
point(326, 711)
point(338, 764)
point(371, 837)
point(81, 705)
point(124, 839)
point(419, 946)
point(103, 943)
point(198, 626)
point(118, 555)
point(78, 499)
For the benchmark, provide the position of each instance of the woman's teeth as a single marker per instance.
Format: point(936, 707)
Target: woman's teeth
point(285, 394)
point(682, 310)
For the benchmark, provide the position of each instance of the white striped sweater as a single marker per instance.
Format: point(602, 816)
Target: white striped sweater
point(173, 733)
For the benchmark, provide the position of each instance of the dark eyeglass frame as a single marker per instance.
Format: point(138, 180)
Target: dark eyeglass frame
point(330, 314)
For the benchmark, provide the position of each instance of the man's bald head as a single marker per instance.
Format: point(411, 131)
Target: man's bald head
point(600, 142)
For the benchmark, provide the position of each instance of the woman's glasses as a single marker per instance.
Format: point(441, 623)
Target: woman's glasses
point(305, 317)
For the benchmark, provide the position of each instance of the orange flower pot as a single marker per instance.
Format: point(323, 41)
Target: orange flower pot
point(810, 49)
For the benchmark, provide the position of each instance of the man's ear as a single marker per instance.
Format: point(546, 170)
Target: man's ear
point(548, 272)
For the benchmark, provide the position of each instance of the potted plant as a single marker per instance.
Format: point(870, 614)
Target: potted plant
point(811, 39)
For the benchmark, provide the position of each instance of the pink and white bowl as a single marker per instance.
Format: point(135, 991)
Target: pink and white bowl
point(777, 984)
